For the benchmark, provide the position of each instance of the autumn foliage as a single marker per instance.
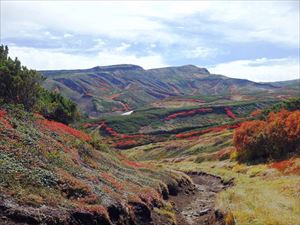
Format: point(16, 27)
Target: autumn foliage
point(275, 138)
point(188, 113)
point(3, 119)
point(229, 113)
point(62, 128)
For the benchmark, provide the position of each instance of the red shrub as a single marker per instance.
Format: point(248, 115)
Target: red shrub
point(230, 113)
point(282, 165)
point(292, 124)
point(60, 127)
point(188, 113)
point(3, 120)
point(114, 133)
point(109, 130)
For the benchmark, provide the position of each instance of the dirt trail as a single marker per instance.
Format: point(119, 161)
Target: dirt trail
point(198, 207)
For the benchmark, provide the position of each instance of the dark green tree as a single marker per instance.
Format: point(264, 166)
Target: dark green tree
point(56, 107)
point(18, 84)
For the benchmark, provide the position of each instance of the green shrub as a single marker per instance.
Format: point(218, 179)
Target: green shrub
point(54, 106)
point(18, 84)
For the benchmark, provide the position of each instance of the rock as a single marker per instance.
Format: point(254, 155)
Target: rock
point(203, 212)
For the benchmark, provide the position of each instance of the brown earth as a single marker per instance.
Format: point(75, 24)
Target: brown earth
point(198, 207)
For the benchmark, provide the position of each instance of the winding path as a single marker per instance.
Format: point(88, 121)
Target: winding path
point(198, 207)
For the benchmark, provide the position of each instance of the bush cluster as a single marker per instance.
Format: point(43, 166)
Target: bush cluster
point(19, 85)
point(275, 138)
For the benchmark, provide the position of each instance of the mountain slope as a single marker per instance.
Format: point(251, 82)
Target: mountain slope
point(122, 88)
point(54, 174)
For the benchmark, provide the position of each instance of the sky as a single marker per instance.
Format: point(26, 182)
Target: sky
point(255, 40)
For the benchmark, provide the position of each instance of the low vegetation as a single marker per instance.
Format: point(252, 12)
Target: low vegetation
point(51, 166)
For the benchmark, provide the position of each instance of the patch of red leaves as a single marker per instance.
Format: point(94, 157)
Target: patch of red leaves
point(114, 133)
point(229, 113)
point(109, 130)
point(283, 165)
point(213, 129)
point(112, 180)
point(188, 113)
point(3, 120)
point(60, 127)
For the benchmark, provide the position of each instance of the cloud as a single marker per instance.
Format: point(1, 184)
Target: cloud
point(46, 59)
point(270, 21)
point(88, 33)
point(201, 52)
point(260, 70)
point(123, 47)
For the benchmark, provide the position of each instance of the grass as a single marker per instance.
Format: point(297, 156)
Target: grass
point(260, 196)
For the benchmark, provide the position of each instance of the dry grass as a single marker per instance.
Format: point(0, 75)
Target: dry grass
point(260, 196)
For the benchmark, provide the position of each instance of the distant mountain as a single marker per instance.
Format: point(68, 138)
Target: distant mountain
point(121, 88)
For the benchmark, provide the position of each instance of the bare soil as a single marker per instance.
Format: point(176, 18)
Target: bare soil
point(198, 207)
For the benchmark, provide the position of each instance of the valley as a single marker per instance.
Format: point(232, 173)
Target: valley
point(149, 112)
point(151, 147)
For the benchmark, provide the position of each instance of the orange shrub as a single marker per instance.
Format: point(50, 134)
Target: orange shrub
point(275, 138)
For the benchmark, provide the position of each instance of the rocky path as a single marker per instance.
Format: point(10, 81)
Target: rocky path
point(198, 207)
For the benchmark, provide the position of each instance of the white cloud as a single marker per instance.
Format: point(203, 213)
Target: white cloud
point(270, 21)
point(123, 47)
point(260, 70)
point(67, 35)
point(201, 52)
point(43, 59)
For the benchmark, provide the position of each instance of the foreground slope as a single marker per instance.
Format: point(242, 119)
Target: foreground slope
point(122, 88)
point(54, 174)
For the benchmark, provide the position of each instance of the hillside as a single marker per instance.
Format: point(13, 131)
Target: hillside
point(54, 174)
point(121, 88)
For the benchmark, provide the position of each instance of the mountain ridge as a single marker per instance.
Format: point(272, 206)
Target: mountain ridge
point(123, 87)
